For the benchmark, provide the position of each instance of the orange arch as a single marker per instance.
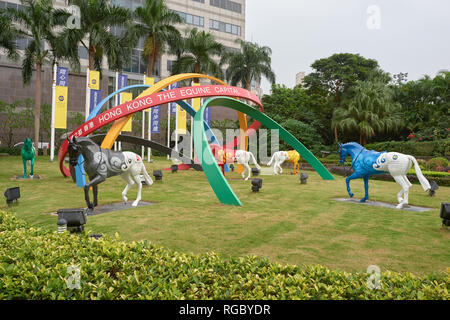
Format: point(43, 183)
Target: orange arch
point(116, 128)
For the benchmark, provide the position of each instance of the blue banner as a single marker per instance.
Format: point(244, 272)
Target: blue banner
point(96, 96)
point(156, 119)
point(173, 105)
point(123, 80)
point(207, 116)
point(62, 76)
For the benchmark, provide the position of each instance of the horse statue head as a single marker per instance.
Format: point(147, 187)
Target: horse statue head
point(28, 144)
point(74, 151)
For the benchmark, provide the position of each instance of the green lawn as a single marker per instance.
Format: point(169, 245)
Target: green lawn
point(286, 222)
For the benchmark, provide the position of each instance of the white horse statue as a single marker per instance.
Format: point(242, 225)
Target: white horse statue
point(244, 157)
point(368, 162)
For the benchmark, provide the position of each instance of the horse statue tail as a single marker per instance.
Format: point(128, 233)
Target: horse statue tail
point(270, 162)
point(255, 162)
point(147, 178)
point(423, 181)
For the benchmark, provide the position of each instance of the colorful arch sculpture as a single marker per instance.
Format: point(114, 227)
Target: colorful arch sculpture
point(125, 110)
point(218, 183)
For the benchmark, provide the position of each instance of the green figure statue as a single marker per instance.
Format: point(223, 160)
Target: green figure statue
point(28, 153)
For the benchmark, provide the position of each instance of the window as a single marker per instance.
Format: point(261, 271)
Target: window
point(169, 65)
point(227, 5)
point(201, 1)
point(224, 27)
point(191, 19)
point(82, 52)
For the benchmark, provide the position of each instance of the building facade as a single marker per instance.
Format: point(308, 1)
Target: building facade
point(225, 19)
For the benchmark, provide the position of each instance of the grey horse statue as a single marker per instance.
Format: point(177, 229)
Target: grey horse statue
point(100, 164)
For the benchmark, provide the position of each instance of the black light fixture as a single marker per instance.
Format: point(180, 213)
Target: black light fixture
point(72, 220)
point(174, 168)
point(434, 187)
point(12, 194)
point(303, 178)
point(255, 172)
point(256, 185)
point(157, 174)
point(445, 213)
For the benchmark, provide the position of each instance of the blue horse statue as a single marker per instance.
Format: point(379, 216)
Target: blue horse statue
point(368, 162)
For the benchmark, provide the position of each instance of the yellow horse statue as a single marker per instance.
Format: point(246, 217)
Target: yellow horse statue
point(279, 157)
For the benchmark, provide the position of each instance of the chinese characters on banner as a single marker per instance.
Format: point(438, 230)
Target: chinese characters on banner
point(173, 105)
point(94, 86)
point(207, 116)
point(61, 92)
point(156, 119)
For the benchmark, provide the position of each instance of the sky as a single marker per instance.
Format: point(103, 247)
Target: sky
point(409, 36)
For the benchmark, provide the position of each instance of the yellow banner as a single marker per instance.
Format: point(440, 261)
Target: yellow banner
point(126, 97)
point(181, 121)
point(196, 102)
point(149, 81)
point(94, 80)
point(61, 107)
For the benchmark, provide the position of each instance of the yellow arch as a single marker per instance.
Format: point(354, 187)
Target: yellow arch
point(117, 126)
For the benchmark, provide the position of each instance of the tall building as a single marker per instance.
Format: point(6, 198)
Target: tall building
point(225, 19)
point(299, 78)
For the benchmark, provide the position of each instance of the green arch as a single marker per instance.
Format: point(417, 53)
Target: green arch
point(212, 171)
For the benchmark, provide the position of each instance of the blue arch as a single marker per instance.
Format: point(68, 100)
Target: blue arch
point(79, 169)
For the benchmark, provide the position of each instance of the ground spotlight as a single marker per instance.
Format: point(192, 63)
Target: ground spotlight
point(174, 168)
point(12, 194)
point(303, 178)
point(157, 174)
point(71, 219)
point(445, 213)
point(255, 172)
point(256, 185)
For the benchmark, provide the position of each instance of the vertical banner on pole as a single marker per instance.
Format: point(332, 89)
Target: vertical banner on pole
point(181, 121)
point(173, 105)
point(94, 86)
point(127, 97)
point(151, 82)
point(61, 93)
point(156, 119)
point(207, 116)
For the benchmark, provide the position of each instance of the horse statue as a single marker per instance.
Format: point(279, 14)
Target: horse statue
point(28, 153)
point(368, 162)
point(100, 164)
point(244, 157)
point(280, 157)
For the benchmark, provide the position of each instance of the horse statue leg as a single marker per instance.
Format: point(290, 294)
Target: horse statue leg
point(24, 167)
point(95, 192)
point(406, 185)
point(32, 167)
point(247, 167)
point(366, 189)
point(130, 183)
point(351, 177)
point(93, 182)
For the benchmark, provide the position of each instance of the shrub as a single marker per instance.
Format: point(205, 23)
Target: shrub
point(34, 263)
point(427, 148)
point(437, 162)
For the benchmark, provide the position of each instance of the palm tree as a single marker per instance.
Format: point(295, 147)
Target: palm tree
point(251, 63)
point(8, 36)
point(195, 54)
point(37, 22)
point(155, 22)
point(369, 110)
point(97, 17)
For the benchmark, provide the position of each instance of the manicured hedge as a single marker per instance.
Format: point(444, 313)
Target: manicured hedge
point(415, 148)
point(33, 265)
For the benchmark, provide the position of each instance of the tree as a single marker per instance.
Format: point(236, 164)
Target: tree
point(195, 54)
point(369, 110)
point(335, 75)
point(8, 36)
point(14, 119)
point(97, 17)
point(155, 22)
point(251, 63)
point(37, 22)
